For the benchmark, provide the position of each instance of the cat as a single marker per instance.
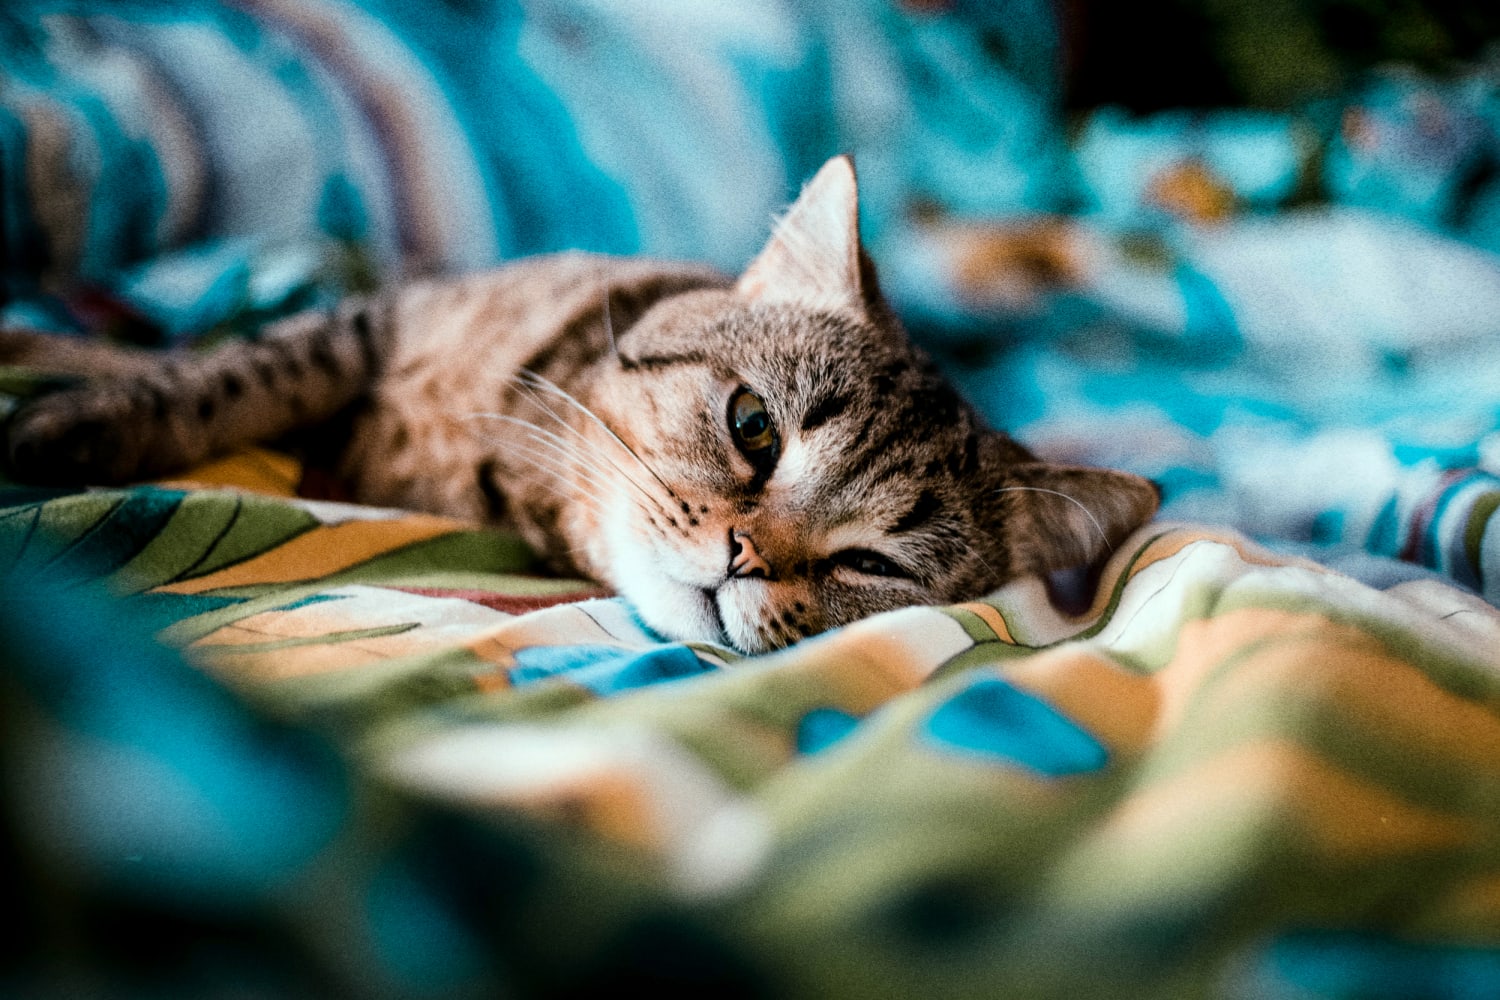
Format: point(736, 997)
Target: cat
point(747, 462)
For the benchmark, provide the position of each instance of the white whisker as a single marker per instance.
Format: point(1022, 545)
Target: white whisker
point(1072, 500)
point(591, 492)
point(585, 446)
point(554, 454)
point(609, 324)
point(986, 564)
point(540, 435)
point(568, 497)
point(562, 457)
point(539, 382)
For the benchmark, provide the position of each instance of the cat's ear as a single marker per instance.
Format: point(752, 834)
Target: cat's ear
point(1062, 516)
point(814, 258)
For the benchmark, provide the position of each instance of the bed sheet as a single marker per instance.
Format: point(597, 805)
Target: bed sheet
point(398, 763)
point(1286, 318)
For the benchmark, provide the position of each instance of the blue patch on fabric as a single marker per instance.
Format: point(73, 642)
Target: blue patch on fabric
point(341, 211)
point(1349, 964)
point(538, 663)
point(1209, 321)
point(606, 670)
point(1328, 527)
point(310, 599)
point(172, 786)
point(1385, 533)
point(421, 942)
point(120, 535)
point(993, 719)
point(1459, 456)
point(821, 728)
point(156, 610)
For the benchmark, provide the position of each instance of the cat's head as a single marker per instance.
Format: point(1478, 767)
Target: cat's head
point(802, 465)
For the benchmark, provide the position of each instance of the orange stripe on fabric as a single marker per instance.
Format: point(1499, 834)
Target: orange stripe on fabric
point(1264, 656)
point(321, 552)
point(255, 470)
point(1278, 784)
point(871, 662)
point(1117, 706)
point(1175, 540)
point(250, 666)
point(1471, 908)
point(1283, 661)
point(991, 617)
point(1131, 711)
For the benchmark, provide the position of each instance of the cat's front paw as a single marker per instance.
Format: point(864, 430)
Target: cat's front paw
point(70, 437)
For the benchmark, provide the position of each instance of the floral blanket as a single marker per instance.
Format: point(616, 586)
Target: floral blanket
point(428, 771)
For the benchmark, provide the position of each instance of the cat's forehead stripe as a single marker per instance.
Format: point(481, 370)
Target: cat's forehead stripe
point(824, 410)
point(922, 511)
point(655, 362)
point(852, 534)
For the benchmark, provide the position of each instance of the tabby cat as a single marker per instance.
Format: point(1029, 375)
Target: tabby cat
point(746, 462)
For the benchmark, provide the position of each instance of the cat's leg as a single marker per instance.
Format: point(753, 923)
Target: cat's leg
point(73, 356)
point(144, 420)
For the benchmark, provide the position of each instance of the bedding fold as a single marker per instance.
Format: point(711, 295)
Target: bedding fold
point(392, 748)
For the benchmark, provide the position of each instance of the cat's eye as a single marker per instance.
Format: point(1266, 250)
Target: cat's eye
point(750, 424)
point(867, 562)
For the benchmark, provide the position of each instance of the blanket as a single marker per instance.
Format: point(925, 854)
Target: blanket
point(1228, 773)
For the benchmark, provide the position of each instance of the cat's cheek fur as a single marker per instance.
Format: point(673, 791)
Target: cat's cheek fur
point(671, 609)
point(759, 617)
point(634, 568)
point(742, 606)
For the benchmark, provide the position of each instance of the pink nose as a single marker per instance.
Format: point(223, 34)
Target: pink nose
point(744, 560)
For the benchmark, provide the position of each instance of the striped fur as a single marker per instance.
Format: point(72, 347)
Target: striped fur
point(589, 402)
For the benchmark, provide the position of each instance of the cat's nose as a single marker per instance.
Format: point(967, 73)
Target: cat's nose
point(744, 560)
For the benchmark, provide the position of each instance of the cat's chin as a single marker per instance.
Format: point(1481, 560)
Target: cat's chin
point(688, 614)
point(676, 610)
point(684, 610)
point(673, 608)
